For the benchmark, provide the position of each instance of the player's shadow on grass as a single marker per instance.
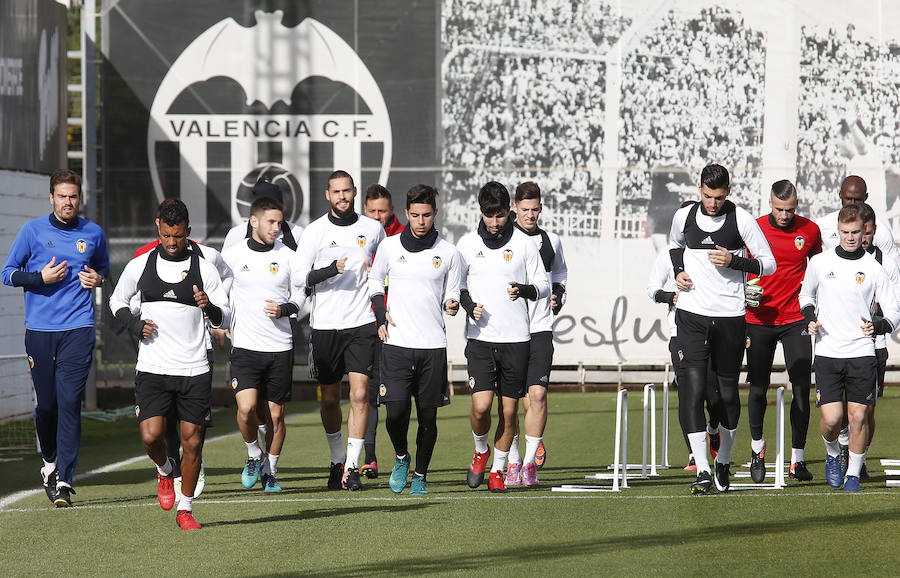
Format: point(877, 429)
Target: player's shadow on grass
point(313, 514)
point(476, 561)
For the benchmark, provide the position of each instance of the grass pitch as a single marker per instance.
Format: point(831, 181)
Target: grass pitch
point(655, 525)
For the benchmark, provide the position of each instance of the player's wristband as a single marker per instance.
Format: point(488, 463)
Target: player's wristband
point(133, 323)
point(527, 291)
point(809, 313)
point(288, 309)
point(379, 309)
point(316, 276)
point(465, 301)
point(746, 265)
point(664, 296)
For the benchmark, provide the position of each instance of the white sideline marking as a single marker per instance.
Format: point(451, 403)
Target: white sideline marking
point(485, 496)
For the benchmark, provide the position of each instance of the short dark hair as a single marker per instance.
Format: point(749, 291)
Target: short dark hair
point(376, 191)
point(61, 176)
point(173, 212)
point(423, 194)
point(263, 204)
point(528, 190)
point(784, 190)
point(849, 214)
point(339, 174)
point(866, 213)
point(715, 177)
point(493, 198)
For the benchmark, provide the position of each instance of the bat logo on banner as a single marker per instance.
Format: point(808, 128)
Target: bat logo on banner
point(257, 99)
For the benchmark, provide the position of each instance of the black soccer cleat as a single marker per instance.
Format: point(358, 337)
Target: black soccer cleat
point(49, 483)
point(758, 466)
point(63, 499)
point(864, 474)
point(844, 459)
point(723, 477)
point(335, 474)
point(702, 484)
point(799, 472)
point(351, 480)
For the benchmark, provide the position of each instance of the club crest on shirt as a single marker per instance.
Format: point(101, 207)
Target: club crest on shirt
point(30, 362)
point(234, 383)
point(273, 268)
point(81, 245)
point(361, 240)
point(382, 390)
point(436, 261)
point(508, 255)
point(799, 241)
point(184, 275)
point(860, 277)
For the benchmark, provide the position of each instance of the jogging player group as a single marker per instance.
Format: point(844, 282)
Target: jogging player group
point(378, 293)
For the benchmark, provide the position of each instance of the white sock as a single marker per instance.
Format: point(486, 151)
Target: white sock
point(832, 448)
point(726, 444)
point(499, 460)
point(480, 442)
point(758, 445)
point(186, 503)
point(697, 440)
point(165, 469)
point(253, 450)
point(844, 436)
point(48, 467)
point(273, 463)
point(261, 428)
point(336, 445)
point(531, 448)
point(796, 455)
point(854, 465)
point(354, 448)
point(514, 456)
point(711, 430)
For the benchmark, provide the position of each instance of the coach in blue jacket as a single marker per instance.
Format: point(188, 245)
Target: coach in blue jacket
point(58, 260)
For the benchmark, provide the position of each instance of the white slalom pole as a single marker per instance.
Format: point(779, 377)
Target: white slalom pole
point(665, 422)
point(621, 400)
point(646, 436)
point(653, 471)
point(779, 441)
point(624, 464)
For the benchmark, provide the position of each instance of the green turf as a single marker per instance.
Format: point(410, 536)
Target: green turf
point(654, 525)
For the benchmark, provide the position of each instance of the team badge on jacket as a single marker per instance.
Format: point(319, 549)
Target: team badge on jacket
point(860, 277)
point(81, 245)
point(799, 241)
point(507, 254)
point(361, 240)
point(273, 268)
point(436, 261)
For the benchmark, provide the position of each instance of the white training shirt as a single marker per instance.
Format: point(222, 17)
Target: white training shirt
point(486, 274)
point(239, 232)
point(844, 291)
point(421, 283)
point(893, 270)
point(662, 276)
point(258, 276)
point(718, 291)
point(883, 239)
point(178, 345)
point(539, 312)
point(341, 302)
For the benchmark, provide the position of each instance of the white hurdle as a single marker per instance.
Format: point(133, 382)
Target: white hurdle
point(649, 432)
point(620, 457)
point(779, 453)
point(891, 483)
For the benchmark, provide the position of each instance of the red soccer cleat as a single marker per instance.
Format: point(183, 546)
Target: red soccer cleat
point(475, 475)
point(185, 520)
point(165, 491)
point(541, 456)
point(495, 483)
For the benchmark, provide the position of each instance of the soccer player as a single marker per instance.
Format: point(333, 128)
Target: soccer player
point(776, 317)
point(708, 244)
point(838, 294)
point(336, 251)
point(425, 273)
point(290, 233)
point(58, 260)
point(178, 291)
point(881, 353)
point(265, 290)
point(540, 358)
point(501, 270)
point(378, 206)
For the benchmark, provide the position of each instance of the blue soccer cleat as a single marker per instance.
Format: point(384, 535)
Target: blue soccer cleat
point(833, 471)
point(250, 474)
point(417, 487)
point(852, 484)
point(399, 474)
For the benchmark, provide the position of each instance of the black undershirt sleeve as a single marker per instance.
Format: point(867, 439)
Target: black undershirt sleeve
point(316, 276)
point(133, 323)
point(527, 291)
point(288, 309)
point(28, 280)
point(746, 265)
point(214, 314)
point(677, 256)
point(558, 291)
point(664, 296)
point(882, 325)
point(465, 301)
point(809, 313)
point(379, 309)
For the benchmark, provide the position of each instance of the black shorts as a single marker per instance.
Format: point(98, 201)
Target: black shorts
point(854, 377)
point(339, 351)
point(155, 395)
point(271, 374)
point(720, 339)
point(420, 372)
point(375, 380)
point(540, 359)
point(497, 367)
point(881, 356)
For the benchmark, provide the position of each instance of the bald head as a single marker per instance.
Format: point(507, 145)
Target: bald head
point(853, 191)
